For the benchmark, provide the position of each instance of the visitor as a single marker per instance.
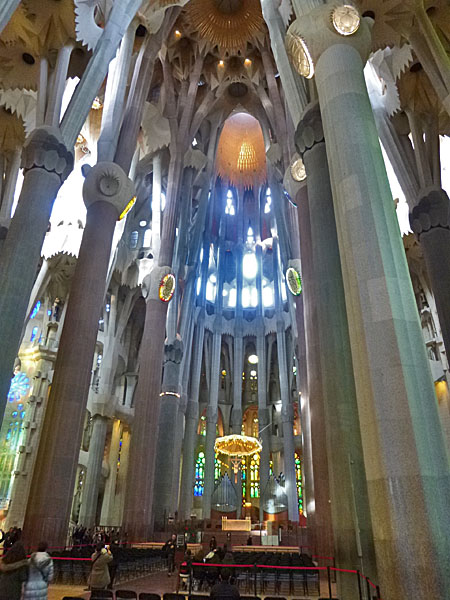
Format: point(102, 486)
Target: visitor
point(212, 543)
point(99, 577)
point(170, 547)
point(40, 574)
point(224, 590)
point(13, 572)
point(249, 541)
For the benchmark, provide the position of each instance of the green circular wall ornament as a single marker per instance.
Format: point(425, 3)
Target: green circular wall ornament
point(167, 287)
point(294, 281)
point(345, 19)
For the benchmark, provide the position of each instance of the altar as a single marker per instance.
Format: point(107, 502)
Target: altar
point(236, 524)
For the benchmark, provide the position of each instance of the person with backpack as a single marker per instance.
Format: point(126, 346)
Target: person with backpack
point(40, 574)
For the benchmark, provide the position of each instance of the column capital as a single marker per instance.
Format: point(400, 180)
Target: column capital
point(45, 149)
point(323, 27)
point(107, 182)
point(309, 131)
point(432, 212)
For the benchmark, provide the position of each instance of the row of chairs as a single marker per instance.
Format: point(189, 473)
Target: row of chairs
point(130, 595)
point(77, 572)
point(275, 581)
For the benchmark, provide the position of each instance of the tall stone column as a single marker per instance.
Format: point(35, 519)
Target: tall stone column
point(46, 162)
point(264, 423)
point(211, 418)
point(349, 499)
point(191, 424)
point(430, 221)
point(138, 519)
point(108, 516)
point(287, 411)
point(406, 463)
point(91, 482)
point(106, 191)
point(165, 496)
point(236, 412)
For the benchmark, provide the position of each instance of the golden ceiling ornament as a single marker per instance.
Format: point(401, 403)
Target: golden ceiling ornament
point(241, 158)
point(53, 21)
point(345, 19)
point(19, 67)
point(12, 132)
point(230, 25)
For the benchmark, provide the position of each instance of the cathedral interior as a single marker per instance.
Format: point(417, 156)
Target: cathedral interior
point(225, 274)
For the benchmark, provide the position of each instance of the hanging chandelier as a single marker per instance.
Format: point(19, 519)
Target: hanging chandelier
point(237, 447)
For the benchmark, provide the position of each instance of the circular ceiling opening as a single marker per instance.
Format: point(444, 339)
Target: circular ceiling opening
point(228, 7)
point(237, 89)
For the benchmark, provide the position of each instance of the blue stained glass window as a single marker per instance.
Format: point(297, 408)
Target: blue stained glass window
point(199, 474)
point(35, 310)
point(20, 385)
point(33, 334)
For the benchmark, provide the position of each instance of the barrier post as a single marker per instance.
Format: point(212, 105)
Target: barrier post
point(378, 593)
point(359, 585)
point(191, 575)
point(254, 580)
point(369, 593)
point(330, 591)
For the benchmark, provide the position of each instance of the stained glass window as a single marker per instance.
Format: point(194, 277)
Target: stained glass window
point(244, 479)
point(229, 208)
point(33, 334)
point(217, 469)
point(254, 476)
point(12, 434)
point(199, 474)
point(202, 427)
point(35, 310)
point(298, 476)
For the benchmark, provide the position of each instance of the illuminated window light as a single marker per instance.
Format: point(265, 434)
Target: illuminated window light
point(177, 33)
point(221, 63)
point(247, 62)
point(253, 359)
point(127, 208)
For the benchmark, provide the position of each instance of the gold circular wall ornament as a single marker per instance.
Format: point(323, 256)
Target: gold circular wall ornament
point(294, 281)
point(345, 19)
point(298, 170)
point(299, 55)
point(167, 287)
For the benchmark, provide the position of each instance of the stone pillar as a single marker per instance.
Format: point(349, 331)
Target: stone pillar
point(139, 493)
point(430, 221)
point(191, 424)
point(236, 412)
point(352, 529)
point(165, 496)
point(91, 482)
point(106, 191)
point(264, 424)
point(46, 163)
point(406, 462)
point(211, 418)
point(108, 516)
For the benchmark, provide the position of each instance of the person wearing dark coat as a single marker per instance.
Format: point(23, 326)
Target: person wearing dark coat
point(224, 590)
point(170, 547)
point(13, 572)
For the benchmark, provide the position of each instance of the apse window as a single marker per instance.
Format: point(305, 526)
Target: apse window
point(229, 207)
point(268, 204)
